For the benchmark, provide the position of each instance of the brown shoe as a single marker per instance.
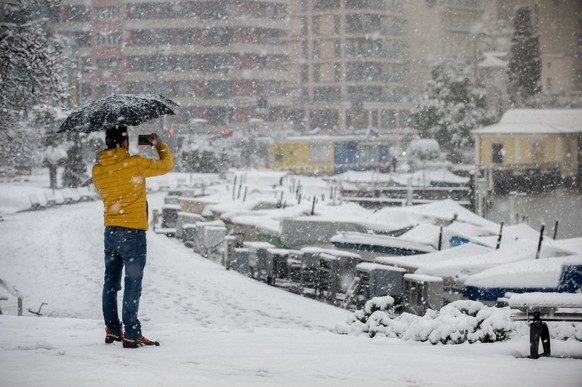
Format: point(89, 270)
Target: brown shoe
point(111, 336)
point(139, 342)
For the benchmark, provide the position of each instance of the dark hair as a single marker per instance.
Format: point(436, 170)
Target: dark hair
point(114, 136)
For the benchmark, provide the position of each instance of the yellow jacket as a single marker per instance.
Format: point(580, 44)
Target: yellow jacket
point(120, 180)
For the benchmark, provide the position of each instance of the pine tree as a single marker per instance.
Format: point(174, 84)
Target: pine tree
point(451, 106)
point(524, 68)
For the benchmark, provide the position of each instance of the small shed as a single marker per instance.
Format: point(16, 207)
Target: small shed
point(529, 143)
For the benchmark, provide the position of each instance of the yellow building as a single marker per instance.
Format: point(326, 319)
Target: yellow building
point(323, 155)
point(302, 155)
point(532, 143)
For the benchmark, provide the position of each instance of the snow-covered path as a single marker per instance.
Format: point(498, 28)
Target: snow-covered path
point(217, 328)
point(179, 286)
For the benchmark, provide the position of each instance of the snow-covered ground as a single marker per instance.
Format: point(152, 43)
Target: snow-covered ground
point(216, 327)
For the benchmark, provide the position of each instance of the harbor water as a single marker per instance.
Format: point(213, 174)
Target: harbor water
point(562, 205)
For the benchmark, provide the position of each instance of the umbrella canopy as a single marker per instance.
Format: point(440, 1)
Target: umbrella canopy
point(117, 110)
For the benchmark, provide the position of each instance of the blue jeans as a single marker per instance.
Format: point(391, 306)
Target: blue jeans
point(124, 247)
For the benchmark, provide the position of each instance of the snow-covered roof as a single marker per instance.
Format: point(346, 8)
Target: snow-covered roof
point(559, 300)
point(536, 121)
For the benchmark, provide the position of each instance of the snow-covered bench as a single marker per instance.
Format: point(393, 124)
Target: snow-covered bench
point(535, 308)
point(54, 198)
point(71, 195)
point(87, 193)
point(37, 201)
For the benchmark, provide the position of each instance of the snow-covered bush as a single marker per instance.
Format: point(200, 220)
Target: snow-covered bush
point(458, 322)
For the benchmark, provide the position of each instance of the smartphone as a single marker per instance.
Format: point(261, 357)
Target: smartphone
point(144, 139)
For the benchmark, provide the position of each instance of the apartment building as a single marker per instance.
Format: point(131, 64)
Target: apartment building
point(334, 65)
point(361, 63)
point(222, 61)
point(350, 64)
point(559, 23)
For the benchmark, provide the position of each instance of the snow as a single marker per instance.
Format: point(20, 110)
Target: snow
point(536, 121)
point(558, 300)
point(541, 273)
point(538, 273)
point(379, 240)
point(216, 327)
point(416, 261)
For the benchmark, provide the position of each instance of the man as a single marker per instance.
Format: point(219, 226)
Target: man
point(120, 180)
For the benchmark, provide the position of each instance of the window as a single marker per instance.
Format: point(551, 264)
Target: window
point(497, 153)
point(217, 10)
point(140, 11)
point(366, 93)
point(403, 118)
point(107, 89)
point(107, 13)
point(360, 4)
point(82, 39)
point(364, 47)
point(388, 119)
point(537, 152)
point(304, 49)
point(213, 63)
point(316, 72)
point(184, 89)
point(569, 156)
point(326, 4)
point(143, 38)
point(110, 64)
point(76, 13)
point(375, 118)
point(336, 24)
point(315, 49)
point(218, 37)
point(304, 74)
point(367, 154)
point(185, 37)
point(363, 23)
point(108, 39)
point(271, 37)
point(316, 25)
point(218, 89)
point(84, 64)
point(270, 11)
point(549, 84)
point(337, 72)
point(164, 37)
point(319, 153)
point(337, 47)
point(361, 71)
point(326, 94)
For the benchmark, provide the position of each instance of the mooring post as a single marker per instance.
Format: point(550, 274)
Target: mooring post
point(499, 238)
point(555, 230)
point(540, 242)
point(440, 238)
point(313, 206)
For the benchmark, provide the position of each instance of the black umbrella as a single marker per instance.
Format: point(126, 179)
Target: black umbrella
point(117, 110)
